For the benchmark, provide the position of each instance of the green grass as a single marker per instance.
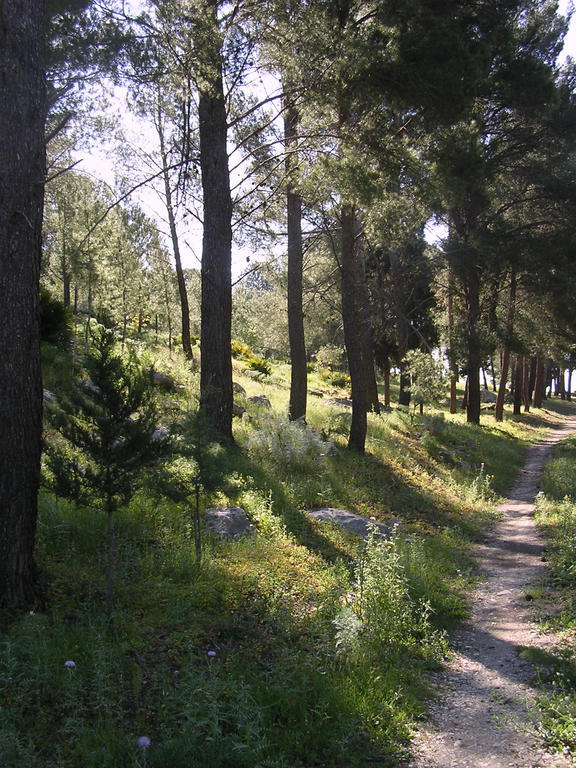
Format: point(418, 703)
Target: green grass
point(556, 515)
point(318, 662)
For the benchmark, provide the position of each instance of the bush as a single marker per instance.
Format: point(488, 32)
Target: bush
point(335, 378)
point(330, 356)
point(427, 378)
point(240, 351)
point(290, 445)
point(260, 365)
point(56, 325)
point(381, 618)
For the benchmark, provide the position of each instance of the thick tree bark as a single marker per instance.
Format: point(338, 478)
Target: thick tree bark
point(561, 383)
point(402, 329)
point(216, 395)
point(298, 373)
point(365, 321)
point(386, 375)
point(499, 412)
point(526, 384)
point(357, 438)
point(518, 385)
point(539, 383)
point(182, 292)
point(452, 364)
point(22, 175)
point(474, 357)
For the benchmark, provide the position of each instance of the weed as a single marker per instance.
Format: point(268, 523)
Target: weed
point(382, 617)
point(291, 445)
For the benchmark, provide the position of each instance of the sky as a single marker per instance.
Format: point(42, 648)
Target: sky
point(97, 162)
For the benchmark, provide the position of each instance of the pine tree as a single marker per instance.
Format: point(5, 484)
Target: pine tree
point(107, 424)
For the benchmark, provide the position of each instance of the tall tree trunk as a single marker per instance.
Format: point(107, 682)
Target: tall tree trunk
point(182, 292)
point(474, 358)
point(526, 384)
point(402, 329)
point(357, 438)
point(298, 373)
point(539, 383)
point(22, 175)
point(561, 382)
point(216, 395)
point(386, 375)
point(499, 412)
point(452, 364)
point(66, 275)
point(365, 322)
point(518, 385)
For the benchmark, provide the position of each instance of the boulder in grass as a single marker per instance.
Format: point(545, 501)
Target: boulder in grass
point(90, 387)
point(238, 410)
point(341, 402)
point(228, 522)
point(160, 434)
point(316, 392)
point(163, 380)
point(488, 397)
point(260, 400)
point(356, 524)
point(238, 388)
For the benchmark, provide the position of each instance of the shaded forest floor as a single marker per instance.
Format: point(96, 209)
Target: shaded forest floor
point(298, 647)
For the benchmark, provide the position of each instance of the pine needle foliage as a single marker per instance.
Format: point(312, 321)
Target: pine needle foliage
point(106, 425)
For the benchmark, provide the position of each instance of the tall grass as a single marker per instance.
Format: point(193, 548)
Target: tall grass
point(556, 514)
point(297, 647)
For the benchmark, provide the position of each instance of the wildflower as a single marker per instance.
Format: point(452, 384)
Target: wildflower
point(143, 742)
point(372, 517)
point(211, 654)
point(31, 613)
point(69, 664)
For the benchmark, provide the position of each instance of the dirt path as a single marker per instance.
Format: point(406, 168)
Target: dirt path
point(481, 718)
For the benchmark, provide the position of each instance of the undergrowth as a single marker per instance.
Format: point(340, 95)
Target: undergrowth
point(296, 647)
point(556, 514)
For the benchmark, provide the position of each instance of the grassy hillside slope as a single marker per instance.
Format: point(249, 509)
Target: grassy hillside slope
point(298, 647)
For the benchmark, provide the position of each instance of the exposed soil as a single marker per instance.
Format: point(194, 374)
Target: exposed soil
point(482, 716)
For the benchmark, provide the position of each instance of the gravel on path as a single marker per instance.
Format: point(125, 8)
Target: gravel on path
point(482, 715)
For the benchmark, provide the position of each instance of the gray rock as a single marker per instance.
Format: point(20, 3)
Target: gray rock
point(238, 410)
point(343, 415)
point(48, 397)
point(238, 388)
point(356, 524)
point(163, 380)
point(159, 434)
point(228, 522)
point(316, 392)
point(260, 400)
point(89, 386)
point(342, 402)
point(488, 397)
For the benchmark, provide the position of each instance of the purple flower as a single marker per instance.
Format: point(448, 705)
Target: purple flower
point(69, 664)
point(143, 742)
point(372, 517)
point(211, 654)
